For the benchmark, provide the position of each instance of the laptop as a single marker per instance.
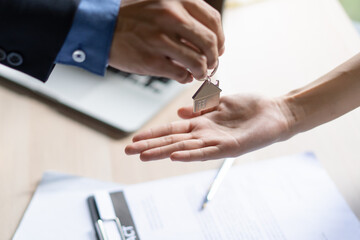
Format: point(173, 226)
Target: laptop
point(121, 100)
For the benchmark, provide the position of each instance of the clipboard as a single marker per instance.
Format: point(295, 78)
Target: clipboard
point(111, 217)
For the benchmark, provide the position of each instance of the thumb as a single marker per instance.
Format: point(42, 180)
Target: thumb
point(187, 112)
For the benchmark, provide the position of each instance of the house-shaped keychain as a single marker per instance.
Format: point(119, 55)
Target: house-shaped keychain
point(207, 96)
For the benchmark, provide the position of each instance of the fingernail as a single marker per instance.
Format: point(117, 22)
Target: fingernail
point(212, 66)
point(202, 77)
point(222, 50)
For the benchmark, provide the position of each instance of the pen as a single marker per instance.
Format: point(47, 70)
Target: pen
point(225, 167)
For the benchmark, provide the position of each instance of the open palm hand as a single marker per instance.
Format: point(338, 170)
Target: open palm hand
point(240, 124)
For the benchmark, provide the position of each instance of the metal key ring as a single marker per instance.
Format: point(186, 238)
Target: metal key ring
point(215, 69)
point(208, 77)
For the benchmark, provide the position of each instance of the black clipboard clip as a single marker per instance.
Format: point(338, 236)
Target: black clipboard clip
point(119, 214)
point(98, 222)
point(101, 229)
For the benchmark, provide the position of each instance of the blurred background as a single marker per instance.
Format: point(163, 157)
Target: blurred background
point(352, 7)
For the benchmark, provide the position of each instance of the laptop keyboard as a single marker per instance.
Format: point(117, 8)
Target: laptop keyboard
point(156, 84)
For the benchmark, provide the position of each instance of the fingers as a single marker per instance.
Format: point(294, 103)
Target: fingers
point(187, 112)
point(166, 151)
point(165, 67)
point(171, 128)
point(144, 145)
point(201, 154)
point(209, 110)
point(194, 61)
point(181, 148)
point(173, 39)
point(222, 50)
point(210, 18)
point(188, 28)
point(200, 36)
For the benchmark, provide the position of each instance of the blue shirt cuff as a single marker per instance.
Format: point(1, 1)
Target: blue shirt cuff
point(88, 42)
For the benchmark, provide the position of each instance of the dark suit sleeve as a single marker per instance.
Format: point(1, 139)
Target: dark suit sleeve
point(32, 33)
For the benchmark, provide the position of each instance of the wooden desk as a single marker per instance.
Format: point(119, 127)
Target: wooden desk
point(272, 47)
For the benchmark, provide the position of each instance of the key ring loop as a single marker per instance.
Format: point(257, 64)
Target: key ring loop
point(208, 77)
point(214, 70)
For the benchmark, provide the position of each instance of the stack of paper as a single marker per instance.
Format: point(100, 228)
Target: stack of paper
point(285, 198)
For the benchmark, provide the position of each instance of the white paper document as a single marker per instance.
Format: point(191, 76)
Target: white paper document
point(58, 210)
point(285, 198)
